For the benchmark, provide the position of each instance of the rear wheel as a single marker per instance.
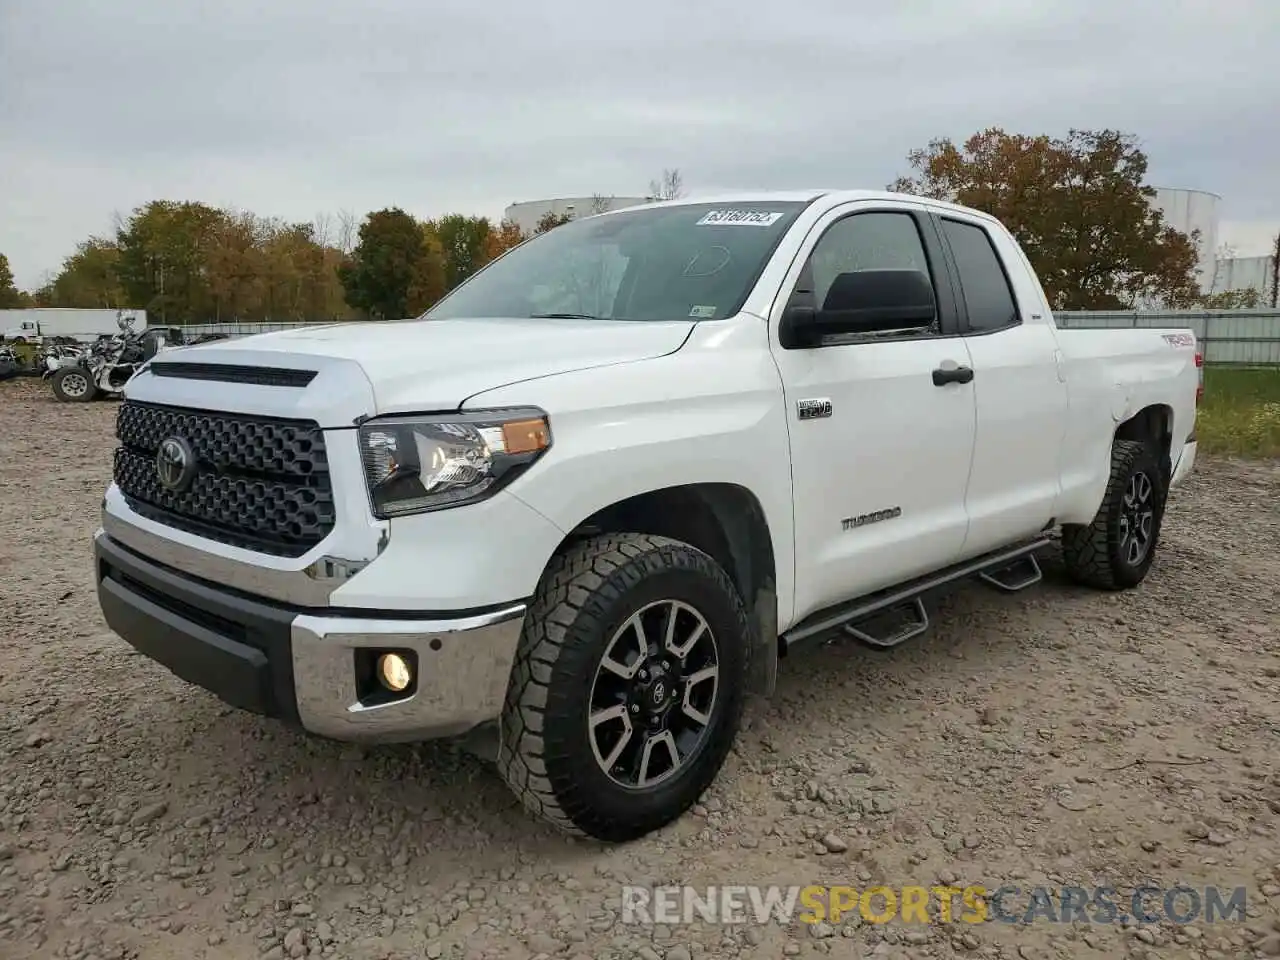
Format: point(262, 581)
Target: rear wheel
point(628, 685)
point(74, 385)
point(1117, 549)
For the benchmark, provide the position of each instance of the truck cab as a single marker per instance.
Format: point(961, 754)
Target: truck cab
point(586, 503)
point(22, 332)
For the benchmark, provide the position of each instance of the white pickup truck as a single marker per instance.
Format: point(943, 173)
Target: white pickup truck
point(586, 503)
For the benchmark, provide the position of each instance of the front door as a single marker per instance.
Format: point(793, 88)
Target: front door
point(880, 453)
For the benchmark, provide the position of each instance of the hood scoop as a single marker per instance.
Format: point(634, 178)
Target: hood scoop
point(233, 373)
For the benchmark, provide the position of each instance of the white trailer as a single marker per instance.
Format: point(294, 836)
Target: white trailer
point(85, 325)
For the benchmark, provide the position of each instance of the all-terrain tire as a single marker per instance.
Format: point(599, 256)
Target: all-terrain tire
point(1096, 555)
point(75, 395)
point(587, 595)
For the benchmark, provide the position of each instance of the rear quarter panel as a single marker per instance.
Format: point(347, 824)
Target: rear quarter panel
point(1111, 376)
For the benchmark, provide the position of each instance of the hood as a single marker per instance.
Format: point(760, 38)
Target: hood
point(423, 365)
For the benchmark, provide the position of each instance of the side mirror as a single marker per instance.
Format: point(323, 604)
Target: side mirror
point(863, 301)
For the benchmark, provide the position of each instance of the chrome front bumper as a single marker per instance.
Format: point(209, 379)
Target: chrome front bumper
point(303, 665)
point(463, 668)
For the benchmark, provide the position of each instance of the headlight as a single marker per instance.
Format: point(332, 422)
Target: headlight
point(421, 463)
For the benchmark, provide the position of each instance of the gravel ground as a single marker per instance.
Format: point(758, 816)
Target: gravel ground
point(1055, 737)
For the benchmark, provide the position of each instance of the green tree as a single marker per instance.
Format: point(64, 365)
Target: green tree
point(550, 220)
point(1078, 205)
point(386, 263)
point(463, 241)
point(88, 278)
point(10, 295)
point(163, 259)
point(1246, 299)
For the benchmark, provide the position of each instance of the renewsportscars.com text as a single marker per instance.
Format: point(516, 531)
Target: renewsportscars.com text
point(746, 904)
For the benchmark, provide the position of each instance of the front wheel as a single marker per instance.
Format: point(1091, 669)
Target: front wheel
point(74, 385)
point(1116, 550)
point(627, 689)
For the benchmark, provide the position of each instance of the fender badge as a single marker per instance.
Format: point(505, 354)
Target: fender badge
point(813, 409)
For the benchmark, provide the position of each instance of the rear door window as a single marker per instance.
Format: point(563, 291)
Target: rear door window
point(985, 285)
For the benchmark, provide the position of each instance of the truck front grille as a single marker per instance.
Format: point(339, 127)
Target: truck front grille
point(259, 483)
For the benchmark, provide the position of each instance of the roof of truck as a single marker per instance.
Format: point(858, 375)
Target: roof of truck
point(833, 197)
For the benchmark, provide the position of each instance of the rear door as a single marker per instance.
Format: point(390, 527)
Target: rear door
point(1021, 398)
point(879, 453)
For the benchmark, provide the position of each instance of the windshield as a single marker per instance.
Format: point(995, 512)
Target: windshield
point(690, 261)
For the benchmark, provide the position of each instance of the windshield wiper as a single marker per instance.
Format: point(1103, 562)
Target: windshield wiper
point(564, 316)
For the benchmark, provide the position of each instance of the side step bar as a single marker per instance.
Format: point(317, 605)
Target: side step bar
point(1010, 570)
point(1022, 573)
point(916, 622)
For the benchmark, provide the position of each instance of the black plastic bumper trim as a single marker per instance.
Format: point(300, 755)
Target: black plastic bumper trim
point(238, 649)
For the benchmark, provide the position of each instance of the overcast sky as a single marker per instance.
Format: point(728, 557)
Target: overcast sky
point(293, 107)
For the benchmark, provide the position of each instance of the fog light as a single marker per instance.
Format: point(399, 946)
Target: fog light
point(394, 672)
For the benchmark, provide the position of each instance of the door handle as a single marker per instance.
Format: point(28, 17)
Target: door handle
point(942, 376)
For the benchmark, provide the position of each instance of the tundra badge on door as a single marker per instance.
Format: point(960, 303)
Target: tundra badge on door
point(813, 409)
point(862, 519)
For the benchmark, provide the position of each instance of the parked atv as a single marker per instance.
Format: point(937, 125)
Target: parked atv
point(9, 364)
point(105, 367)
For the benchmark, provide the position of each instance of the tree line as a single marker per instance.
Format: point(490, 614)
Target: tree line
point(187, 262)
point(1079, 205)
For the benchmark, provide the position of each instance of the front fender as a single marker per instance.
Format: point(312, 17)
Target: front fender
point(711, 413)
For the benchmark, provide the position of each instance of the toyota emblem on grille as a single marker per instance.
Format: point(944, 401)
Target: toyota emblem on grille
point(175, 464)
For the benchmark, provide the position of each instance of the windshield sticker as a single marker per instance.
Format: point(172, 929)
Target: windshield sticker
point(738, 218)
point(702, 313)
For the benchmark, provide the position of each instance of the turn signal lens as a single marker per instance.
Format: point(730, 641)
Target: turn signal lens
point(525, 436)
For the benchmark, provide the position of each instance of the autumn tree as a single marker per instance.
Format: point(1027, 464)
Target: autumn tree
point(236, 267)
point(502, 238)
point(430, 276)
point(388, 261)
point(1079, 206)
point(10, 295)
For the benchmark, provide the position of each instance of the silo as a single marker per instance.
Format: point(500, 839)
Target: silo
point(1190, 211)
